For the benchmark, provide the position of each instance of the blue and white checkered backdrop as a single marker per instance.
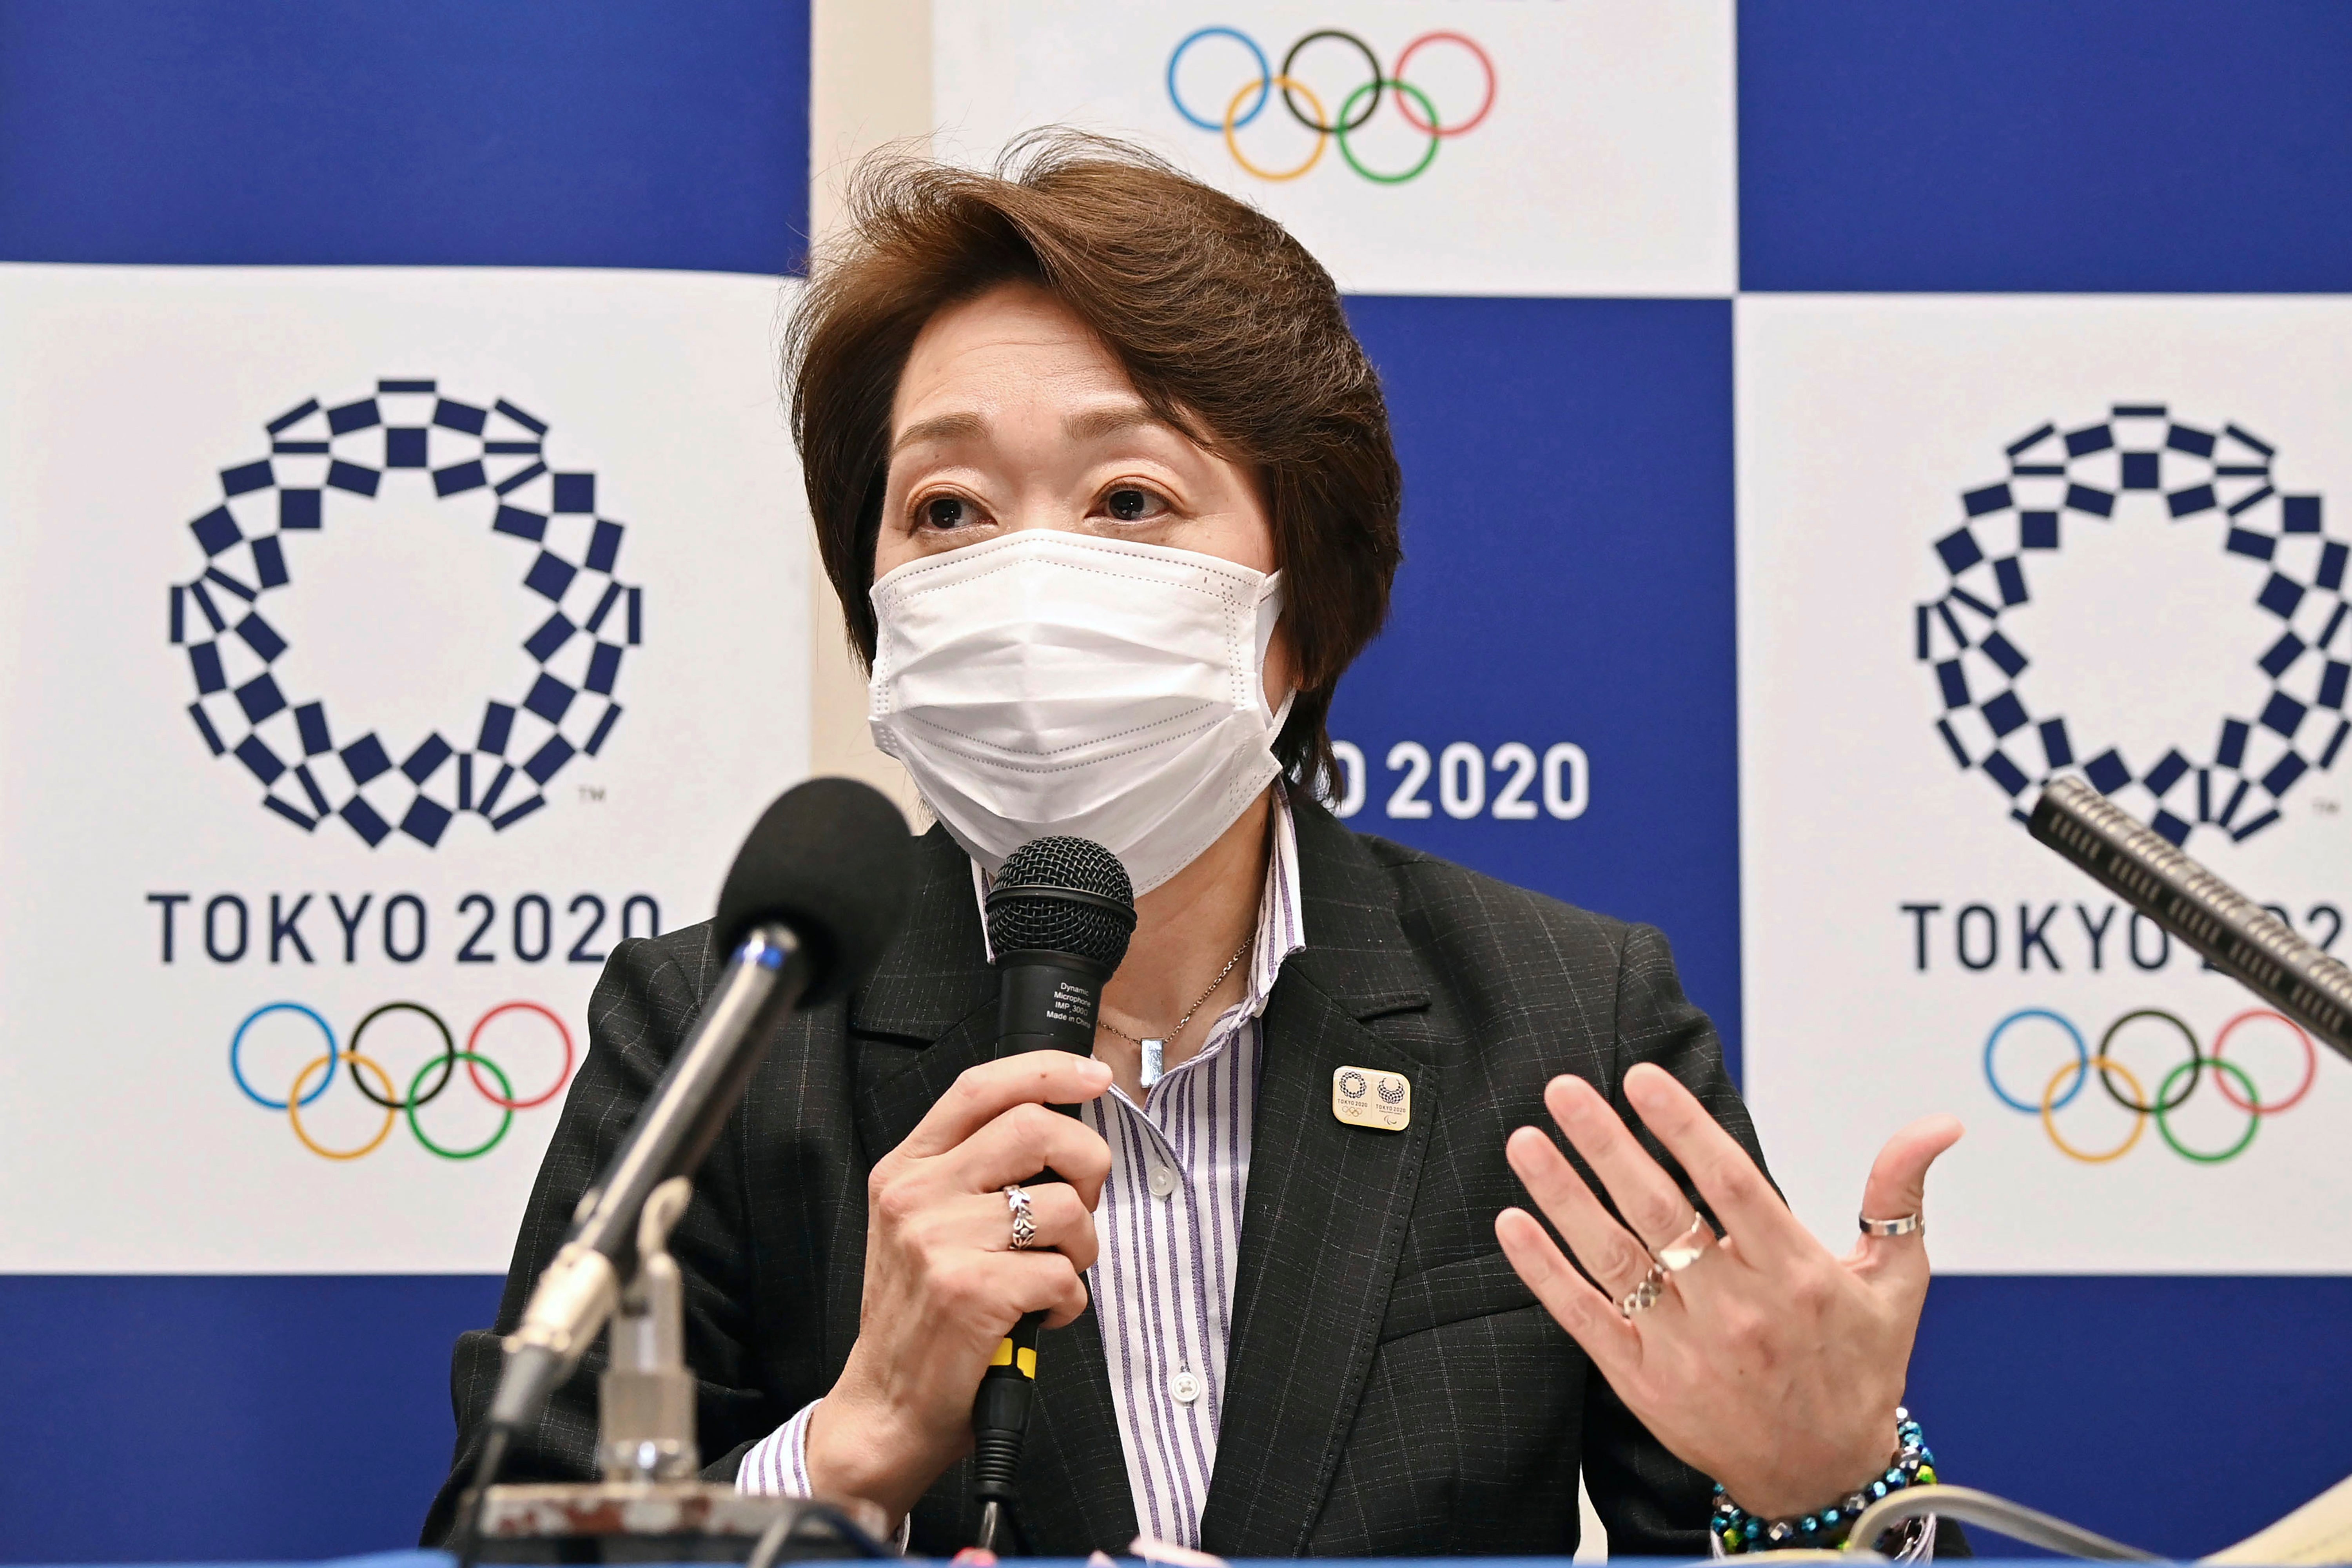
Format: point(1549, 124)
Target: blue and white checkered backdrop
point(1821, 422)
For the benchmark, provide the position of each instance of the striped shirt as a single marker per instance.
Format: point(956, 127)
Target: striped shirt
point(1170, 1227)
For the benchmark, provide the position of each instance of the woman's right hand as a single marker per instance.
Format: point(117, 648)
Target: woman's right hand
point(943, 1285)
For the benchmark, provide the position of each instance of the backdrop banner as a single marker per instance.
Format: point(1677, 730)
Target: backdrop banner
point(1981, 540)
point(1481, 147)
point(387, 645)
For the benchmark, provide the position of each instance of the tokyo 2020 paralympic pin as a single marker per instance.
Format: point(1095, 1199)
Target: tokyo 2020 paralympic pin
point(1362, 1097)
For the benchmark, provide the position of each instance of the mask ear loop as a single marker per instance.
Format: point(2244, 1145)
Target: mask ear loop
point(1271, 600)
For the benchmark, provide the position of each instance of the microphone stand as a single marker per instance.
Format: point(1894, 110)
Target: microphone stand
point(652, 1505)
point(815, 896)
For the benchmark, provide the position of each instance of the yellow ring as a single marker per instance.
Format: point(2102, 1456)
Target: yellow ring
point(2140, 1118)
point(1286, 83)
point(294, 1106)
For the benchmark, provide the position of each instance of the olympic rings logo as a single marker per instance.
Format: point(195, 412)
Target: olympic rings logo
point(301, 1092)
point(2125, 1088)
point(1234, 112)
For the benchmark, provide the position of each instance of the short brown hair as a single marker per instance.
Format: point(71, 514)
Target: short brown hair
point(1227, 327)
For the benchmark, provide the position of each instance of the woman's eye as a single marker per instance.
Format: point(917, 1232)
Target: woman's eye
point(948, 512)
point(1130, 504)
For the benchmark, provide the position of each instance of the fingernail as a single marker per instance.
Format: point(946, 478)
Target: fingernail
point(1576, 1111)
point(1096, 1073)
point(1538, 1267)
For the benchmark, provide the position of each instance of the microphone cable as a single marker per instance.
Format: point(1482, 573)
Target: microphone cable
point(1000, 1422)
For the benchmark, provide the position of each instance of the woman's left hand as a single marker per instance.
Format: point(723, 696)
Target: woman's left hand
point(1766, 1363)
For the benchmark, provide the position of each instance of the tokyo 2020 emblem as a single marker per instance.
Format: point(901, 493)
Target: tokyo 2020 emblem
point(2280, 641)
point(1234, 83)
point(478, 468)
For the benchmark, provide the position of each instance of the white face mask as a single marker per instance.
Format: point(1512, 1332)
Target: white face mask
point(1052, 682)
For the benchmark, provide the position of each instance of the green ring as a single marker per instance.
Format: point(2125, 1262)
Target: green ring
point(1374, 87)
point(504, 1087)
point(2253, 1117)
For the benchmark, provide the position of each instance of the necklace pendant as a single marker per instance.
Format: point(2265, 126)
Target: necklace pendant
point(1153, 1052)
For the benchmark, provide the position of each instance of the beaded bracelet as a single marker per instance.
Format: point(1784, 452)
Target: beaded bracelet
point(1741, 1531)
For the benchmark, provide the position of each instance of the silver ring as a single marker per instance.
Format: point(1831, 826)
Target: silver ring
point(1024, 1225)
point(1644, 1296)
point(1688, 1248)
point(1905, 1225)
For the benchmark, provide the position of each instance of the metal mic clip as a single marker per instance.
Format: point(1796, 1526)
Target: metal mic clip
point(646, 1399)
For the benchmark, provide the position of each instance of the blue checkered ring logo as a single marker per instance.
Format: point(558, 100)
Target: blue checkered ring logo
point(2228, 776)
point(326, 466)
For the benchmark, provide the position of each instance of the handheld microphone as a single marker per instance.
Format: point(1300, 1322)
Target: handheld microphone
point(816, 895)
point(1059, 916)
point(2242, 939)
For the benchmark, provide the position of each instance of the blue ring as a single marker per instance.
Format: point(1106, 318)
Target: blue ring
point(2082, 1059)
point(236, 1043)
point(1264, 77)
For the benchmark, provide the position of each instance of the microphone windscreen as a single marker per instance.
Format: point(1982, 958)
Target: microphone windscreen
point(832, 858)
point(1031, 906)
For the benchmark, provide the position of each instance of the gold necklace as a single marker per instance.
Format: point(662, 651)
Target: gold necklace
point(1155, 1051)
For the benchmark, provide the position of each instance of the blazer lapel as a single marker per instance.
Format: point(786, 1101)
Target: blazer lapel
point(1074, 1489)
point(928, 1011)
point(927, 1014)
point(1327, 1202)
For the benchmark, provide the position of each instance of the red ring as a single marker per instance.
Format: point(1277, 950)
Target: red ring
point(1485, 107)
point(561, 1078)
point(2310, 1062)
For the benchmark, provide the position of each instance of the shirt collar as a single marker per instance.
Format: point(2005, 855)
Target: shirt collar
point(1281, 911)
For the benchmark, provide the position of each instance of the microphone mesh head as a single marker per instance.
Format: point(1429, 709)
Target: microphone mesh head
point(1026, 911)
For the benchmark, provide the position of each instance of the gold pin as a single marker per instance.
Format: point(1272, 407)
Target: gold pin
point(1362, 1097)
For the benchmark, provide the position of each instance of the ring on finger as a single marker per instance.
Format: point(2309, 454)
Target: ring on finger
point(1025, 1224)
point(1643, 1296)
point(1688, 1248)
point(1902, 1224)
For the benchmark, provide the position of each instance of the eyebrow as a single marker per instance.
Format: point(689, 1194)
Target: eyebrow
point(1094, 425)
point(941, 427)
point(1098, 423)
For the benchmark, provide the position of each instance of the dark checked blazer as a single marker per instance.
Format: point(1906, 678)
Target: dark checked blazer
point(1393, 1389)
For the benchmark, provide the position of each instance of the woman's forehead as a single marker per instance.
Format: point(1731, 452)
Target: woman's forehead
point(1016, 364)
point(1015, 335)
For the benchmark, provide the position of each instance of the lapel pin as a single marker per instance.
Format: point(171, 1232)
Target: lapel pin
point(1362, 1097)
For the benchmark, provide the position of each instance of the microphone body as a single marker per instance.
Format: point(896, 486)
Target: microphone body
point(1046, 1001)
point(2242, 939)
point(1059, 917)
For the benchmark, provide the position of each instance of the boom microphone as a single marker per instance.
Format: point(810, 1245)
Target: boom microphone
point(2242, 939)
point(1059, 916)
point(816, 895)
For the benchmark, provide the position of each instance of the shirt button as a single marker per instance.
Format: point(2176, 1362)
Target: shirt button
point(1163, 1180)
point(1185, 1387)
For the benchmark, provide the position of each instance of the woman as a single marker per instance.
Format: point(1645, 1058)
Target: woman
point(1105, 485)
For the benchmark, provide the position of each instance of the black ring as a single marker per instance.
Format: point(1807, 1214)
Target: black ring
point(2197, 1060)
point(1372, 104)
point(449, 1054)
